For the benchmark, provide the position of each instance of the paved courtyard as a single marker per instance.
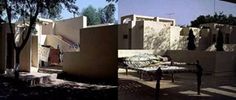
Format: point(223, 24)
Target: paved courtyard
point(55, 89)
point(184, 87)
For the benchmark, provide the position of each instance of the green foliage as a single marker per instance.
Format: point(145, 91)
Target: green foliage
point(92, 15)
point(1, 11)
point(108, 14)
point(220, 41)
point(216, 18)
point(100, 15)
point(191, 40)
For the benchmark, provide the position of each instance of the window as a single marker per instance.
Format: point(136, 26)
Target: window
point(125, 36)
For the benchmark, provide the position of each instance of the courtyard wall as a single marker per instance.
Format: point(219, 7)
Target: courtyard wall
point(97, 57)
point(212, 62)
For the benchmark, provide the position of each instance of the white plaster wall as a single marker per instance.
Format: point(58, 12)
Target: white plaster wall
point(70, 28)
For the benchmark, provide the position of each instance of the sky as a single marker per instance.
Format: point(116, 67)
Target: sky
point(183, 11)
point(85, 3)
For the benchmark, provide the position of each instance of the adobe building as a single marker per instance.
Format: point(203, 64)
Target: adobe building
point(84, 47)
point(161, 34)
point(95, 47)
point(144, 34)
point(152, 33)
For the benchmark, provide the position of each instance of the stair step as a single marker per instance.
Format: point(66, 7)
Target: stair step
point(35, 78)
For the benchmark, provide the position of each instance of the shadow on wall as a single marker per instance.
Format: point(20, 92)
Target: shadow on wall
point(97, 58)
point(157, 41)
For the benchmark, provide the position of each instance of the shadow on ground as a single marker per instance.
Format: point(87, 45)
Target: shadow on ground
point(15, 90)
point(184, 88)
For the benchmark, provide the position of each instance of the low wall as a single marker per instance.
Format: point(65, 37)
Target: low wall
point(212, 62)
point(97, 58)
point(225, 62)
point(129, 53)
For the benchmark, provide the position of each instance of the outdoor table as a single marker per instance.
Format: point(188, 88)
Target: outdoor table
point(166, 69)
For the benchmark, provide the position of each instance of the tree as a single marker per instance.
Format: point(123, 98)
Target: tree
point(216, 18)
point(29, 10)
point(1, 11)
point(107, 13)
point(92, 15)
point(112, 0)
point(219, 41)
point(100, 15)
point(191, 40)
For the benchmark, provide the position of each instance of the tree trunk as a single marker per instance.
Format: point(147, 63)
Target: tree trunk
point(17, 64)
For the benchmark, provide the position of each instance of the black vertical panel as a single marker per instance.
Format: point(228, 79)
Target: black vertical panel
point(10, 51)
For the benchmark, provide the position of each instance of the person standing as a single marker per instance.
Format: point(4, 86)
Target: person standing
point(158, 79)
point(199, 76)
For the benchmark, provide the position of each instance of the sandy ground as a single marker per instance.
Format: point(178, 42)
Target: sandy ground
point(184, 87)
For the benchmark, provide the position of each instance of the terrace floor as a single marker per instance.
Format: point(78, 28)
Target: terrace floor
point(184, 87)
point(54, 89)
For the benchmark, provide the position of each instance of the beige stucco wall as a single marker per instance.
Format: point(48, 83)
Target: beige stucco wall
point(123, 43)
point(207, 59)
point(156, 37)
point(225, 62)
point(35, 51)
point(55, 40)
point(212, 62)
point(151, 35)
point(205, 40)
point(137, 33)
point(98, 54)
point(174, 37)
point(25, 56)
point(226, 29)
point(233, 35)
point(70, 28)
point(48, 29)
